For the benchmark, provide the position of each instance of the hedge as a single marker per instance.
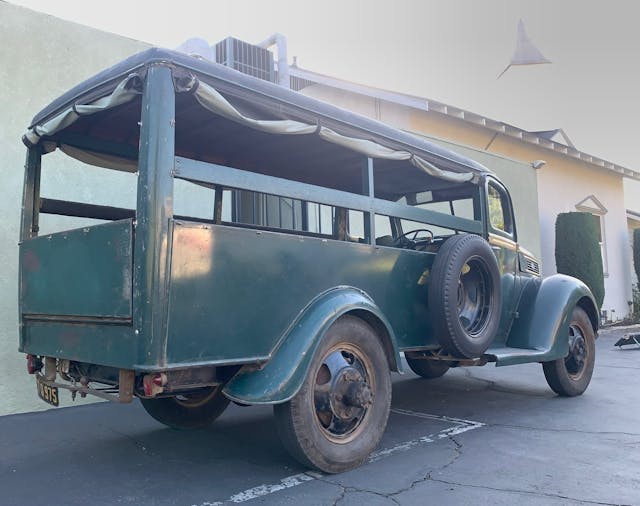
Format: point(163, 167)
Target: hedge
point(578, 251)
point(636, 252)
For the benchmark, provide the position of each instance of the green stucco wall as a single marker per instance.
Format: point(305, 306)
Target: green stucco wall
point(40, 58)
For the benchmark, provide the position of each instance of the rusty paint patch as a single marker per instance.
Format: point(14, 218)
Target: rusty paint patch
point(31, 262)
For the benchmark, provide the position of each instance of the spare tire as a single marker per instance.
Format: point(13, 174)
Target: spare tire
point(464, 296)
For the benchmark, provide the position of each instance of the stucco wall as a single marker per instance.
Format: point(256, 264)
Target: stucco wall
point(564, 182)
point(40, 58)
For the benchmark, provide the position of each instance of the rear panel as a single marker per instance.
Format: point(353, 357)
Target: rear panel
point(76, 294)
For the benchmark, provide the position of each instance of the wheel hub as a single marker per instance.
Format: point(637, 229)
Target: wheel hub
point(349, 394)
point(577, 357)
point(474, 297)
point(342, 394)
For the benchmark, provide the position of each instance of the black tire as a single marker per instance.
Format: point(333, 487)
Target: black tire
point(340, 413)
point(429, 369)
point(190, 411)
point(464, 296)
point(570, 376)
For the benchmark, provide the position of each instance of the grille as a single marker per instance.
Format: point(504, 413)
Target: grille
point(532, 266)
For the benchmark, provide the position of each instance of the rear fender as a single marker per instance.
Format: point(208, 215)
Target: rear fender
point(544, 315)
point(282, 376)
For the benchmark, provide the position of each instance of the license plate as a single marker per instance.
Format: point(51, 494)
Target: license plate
point(47, 393)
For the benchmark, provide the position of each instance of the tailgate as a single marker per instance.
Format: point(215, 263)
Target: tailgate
point(82, 273)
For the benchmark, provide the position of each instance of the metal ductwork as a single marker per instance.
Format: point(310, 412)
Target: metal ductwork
point(280, 41)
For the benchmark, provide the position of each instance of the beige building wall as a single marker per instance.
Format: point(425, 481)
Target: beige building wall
point(40, 58)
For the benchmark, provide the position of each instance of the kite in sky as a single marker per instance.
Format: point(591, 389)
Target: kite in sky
point(526, 53)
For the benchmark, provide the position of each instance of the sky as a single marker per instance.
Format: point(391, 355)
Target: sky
point(450, 51)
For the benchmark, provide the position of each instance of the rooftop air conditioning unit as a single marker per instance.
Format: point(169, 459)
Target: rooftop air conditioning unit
point(247, 58)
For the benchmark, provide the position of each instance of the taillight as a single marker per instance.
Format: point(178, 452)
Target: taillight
point(153, 384)
point(34, 364)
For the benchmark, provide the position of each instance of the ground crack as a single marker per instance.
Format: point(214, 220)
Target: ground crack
point(457, 453)
point(135, 442)
point(347, 489)
point(491, 385)
point(577, 431)
point(528, 492)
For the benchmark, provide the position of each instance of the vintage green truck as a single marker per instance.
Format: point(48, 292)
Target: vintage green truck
point(329, 245)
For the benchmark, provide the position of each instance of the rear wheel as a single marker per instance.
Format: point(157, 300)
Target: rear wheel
point(195, 410)
point(428, 369)
point(571, 375)
point(340, 413)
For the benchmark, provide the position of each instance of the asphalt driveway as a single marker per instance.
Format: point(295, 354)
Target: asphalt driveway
point(476, 436)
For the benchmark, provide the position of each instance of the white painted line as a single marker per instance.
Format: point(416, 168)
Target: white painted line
point(459, 427)
point(288, 482)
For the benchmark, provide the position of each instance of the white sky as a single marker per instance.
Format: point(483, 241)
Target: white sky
point(451, 51)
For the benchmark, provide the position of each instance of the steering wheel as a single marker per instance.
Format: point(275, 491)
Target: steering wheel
point(409, 240)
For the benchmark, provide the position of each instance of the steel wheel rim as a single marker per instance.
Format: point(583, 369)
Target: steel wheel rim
point(343, 378)
point(578, 356)
point(474, 297)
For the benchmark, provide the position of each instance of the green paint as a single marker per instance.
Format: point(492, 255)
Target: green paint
point(80, 273)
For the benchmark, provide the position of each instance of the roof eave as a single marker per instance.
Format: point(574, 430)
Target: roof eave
point(434, 106)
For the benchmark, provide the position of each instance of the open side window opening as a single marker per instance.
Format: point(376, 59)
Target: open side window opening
point(461, 201)
point(500, 211)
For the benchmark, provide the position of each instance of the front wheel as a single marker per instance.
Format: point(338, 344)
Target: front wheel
point(339, 415)
point(195, 410)
point(570, 376)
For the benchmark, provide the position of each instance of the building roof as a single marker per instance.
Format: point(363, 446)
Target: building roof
point(633, 215)
point(545, 139)
point(557, 134)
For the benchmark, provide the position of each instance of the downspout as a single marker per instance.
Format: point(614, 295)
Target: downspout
point(280, 41)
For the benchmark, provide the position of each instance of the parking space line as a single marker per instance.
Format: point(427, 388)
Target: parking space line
point(459, 426)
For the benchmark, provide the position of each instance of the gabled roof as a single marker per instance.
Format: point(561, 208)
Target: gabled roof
point(302, 78)
point(591, 204)
point(557, 135)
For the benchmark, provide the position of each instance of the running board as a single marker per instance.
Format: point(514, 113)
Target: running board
point(511, 356)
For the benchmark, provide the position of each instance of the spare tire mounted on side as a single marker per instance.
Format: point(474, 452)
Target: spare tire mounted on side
point(464, 295)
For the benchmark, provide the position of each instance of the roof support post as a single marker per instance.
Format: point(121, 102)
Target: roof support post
point(367, 190)
point(154, 212)
point(31, 194)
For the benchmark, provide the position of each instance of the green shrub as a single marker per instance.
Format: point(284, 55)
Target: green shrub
point(636, 252)
point(578, 251)
point(634, 314)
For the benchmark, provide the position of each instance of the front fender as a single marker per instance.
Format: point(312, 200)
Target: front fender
point(282, 376)
point(544, 315)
